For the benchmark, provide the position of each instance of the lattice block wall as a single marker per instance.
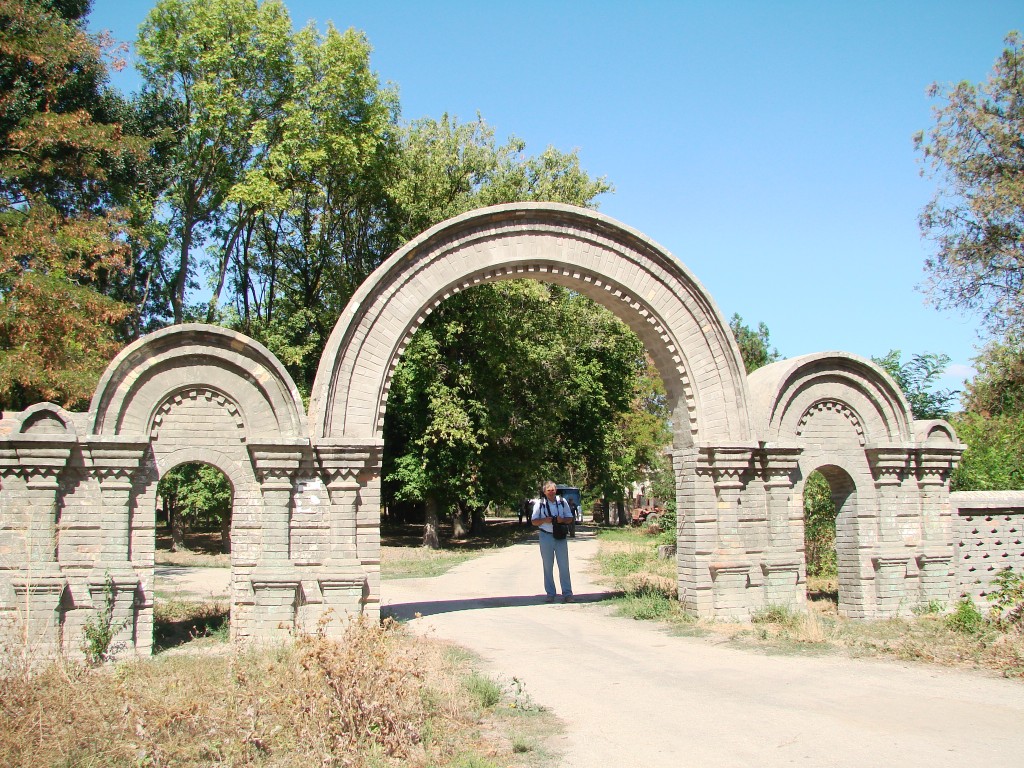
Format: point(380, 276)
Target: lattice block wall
point(990, 537)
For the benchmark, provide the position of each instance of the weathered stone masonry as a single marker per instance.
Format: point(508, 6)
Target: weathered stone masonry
point(78, 491)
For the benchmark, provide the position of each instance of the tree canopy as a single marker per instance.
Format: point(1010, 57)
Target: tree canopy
point(975, 152)
point(63, 160)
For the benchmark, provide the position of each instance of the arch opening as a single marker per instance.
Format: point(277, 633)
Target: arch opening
point(517, 391)
point(193, 519)
point(830, 557)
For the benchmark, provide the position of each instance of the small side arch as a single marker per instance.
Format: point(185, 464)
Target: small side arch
point(197, 361)
point(828, 397)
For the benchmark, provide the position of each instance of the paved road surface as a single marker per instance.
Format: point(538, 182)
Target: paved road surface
point(632, 695)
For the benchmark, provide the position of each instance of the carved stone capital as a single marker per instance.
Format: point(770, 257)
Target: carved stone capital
point(727, 464)
point(42, 458)
point(276, 463)
point(114, 460)
point(779, 465)
point(342, 461)
point(890, 464)
point(934, 464)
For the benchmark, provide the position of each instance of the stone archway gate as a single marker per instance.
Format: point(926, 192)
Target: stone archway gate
point(77, 490)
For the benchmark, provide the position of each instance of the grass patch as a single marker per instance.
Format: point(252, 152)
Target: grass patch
point(177, 621)
point(375, 697)
point(965, 637)
point(403, 555)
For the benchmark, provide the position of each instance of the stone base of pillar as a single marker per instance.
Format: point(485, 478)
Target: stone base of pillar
point(731, 581)
point(890, 584)
point(782, 584)
point(36, 614)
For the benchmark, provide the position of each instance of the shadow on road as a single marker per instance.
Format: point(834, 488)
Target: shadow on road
point(407, 611)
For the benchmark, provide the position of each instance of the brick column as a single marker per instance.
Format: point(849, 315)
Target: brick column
point(35, 577)
point(890, 465)
point(351, 577)
point(935, 559)
point(275, 467)
point(114, 462)
point(731, 468)
point(41, 462)
point(783, 564)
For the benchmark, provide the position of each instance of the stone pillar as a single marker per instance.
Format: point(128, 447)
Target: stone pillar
point(350, 582)
point(275, 466)
point(35, 578)
point(936, 557)
point(890, 465)
point(41, 461)
point(731, 468)
point(275, 582)
point(114, 462)
point(783, 564)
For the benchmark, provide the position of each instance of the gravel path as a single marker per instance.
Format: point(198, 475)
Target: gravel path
point(632, 695)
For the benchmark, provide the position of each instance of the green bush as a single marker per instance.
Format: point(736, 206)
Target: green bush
point(966, 618)
point(1007, 598)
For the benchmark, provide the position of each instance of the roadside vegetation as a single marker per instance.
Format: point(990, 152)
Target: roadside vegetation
point(376, 697)
point(959, 635)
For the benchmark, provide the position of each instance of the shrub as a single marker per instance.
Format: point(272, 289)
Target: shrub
point(1007, 598)
point(966, 618)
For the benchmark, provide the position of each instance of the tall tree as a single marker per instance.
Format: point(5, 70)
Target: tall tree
point(755, 346)
point(917, 378)
point(975, 151)
point(62, 237)
point(222, 66)
point(323, 218)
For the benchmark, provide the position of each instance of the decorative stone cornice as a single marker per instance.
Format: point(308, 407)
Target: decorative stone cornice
point(342, 461)
point(727, 464)
point(779, 464)
point(42, 458)
point(834, 406)
point(276, 463)
point(935, 464)
point(890, 464)
point(195, 393)
point(114, 460)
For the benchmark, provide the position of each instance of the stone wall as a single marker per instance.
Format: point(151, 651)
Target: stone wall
point(990, 537)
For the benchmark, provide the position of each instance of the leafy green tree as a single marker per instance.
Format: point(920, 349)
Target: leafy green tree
point(992, 425)
point(819, 527)
point(975, 151)
point(323, 219)
point(62, 227)
point(755, 348)
point(998, 386)
point(917, 379)
point(221, 65)
point(196, 496)
point(994, 458)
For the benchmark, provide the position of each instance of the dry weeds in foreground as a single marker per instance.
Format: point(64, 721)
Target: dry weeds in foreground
point(377, 697)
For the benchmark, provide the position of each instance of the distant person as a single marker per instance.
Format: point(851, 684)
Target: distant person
point(525, 511)
point(552, 517)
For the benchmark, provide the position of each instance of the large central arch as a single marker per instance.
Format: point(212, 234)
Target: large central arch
point(644, 285)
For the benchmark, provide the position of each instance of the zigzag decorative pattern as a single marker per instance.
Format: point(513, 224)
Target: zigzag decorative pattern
point(838, 407)
point(208, 394)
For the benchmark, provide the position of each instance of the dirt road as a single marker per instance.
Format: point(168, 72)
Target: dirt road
point(632, 695)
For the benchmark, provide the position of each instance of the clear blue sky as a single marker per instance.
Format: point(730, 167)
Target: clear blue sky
point(768, 145)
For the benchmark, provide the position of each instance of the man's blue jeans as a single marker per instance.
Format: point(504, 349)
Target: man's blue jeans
point(551, 550)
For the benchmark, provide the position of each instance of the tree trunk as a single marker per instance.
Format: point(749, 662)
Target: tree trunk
point(459, 523)
point(477, 527)
point(225, 534)
point(430, 525)
point(176, 522)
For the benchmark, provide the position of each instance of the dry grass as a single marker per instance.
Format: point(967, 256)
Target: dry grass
point(377, 697)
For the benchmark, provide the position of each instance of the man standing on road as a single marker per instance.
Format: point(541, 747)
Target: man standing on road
point(552, 516)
